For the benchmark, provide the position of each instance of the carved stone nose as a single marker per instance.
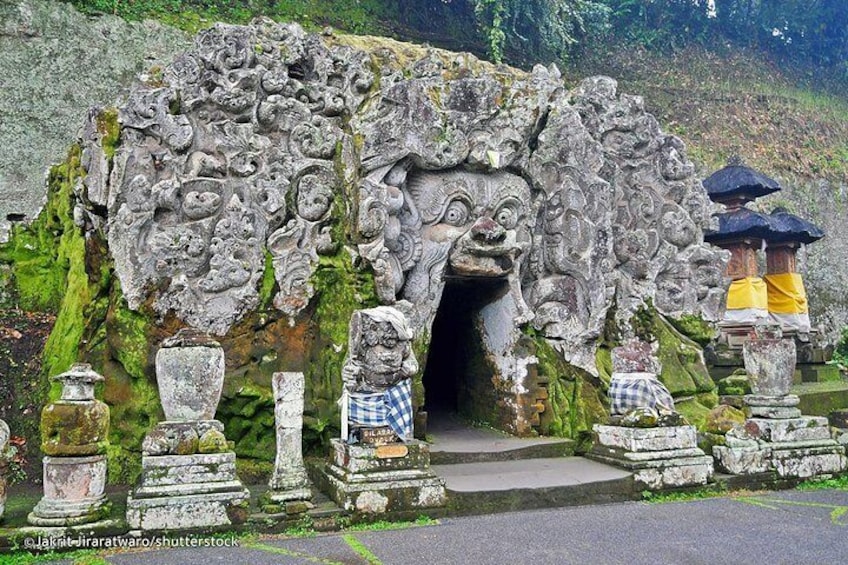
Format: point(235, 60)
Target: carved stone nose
point(486, 230)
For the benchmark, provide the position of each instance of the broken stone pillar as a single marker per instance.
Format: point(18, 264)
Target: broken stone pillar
point(376, 466)
point(74, 436)
point(4, 464)
point(188, 472)
point(289, 484)
point(647, 437)
point(777, 437)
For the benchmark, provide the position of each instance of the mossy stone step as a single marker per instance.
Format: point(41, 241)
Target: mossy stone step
point(820, 399)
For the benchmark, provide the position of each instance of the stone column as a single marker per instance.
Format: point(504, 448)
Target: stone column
point(289, 482)
point(74, 436)
point(188, 472)
point(4, 464)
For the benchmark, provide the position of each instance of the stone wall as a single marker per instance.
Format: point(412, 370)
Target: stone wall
point(55, 64)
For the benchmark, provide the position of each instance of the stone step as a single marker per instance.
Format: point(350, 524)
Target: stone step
point(820, 399)
point(499, 486)
point(453, 442)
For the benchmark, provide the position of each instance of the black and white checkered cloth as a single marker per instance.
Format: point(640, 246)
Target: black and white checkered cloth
point(391, 408)
point(629, 391)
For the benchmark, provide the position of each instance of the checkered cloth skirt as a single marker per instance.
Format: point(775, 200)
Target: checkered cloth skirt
point(629, 391)
point(391, 408)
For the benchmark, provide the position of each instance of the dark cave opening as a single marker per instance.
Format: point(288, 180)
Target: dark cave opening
point(457, 376)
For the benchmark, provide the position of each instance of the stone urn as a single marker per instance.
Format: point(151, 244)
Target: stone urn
point(4, 464)
point(190, 375)
point(769, 361)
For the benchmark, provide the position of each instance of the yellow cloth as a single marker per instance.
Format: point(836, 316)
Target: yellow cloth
point(786, 294)
point(749, 292)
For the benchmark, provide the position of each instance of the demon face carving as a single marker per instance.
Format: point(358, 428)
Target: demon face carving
point(481, 216)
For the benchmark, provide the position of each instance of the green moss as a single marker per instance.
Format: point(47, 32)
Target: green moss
point(683, 369)
point(268, 286)
point(109, 130)
point(42, 253)
point(576, 400)
point(695, 328)
point(254, 471)
point(339, 290)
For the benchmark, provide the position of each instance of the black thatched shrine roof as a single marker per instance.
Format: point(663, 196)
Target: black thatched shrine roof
point(739, 223)
point(789, 227)
point(735, 181)
point(777, 227)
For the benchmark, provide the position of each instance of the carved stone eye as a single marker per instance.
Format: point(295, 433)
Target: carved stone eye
point(506, 217)
point(457, 213)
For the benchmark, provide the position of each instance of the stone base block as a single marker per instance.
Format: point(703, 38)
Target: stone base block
point(800, 460)
point(187, 474)
point(646, 439)
point(786, 401)
point(188, 511)
point(386, 478)
point(804, 463)
point(774, 412)
point(289, 495)
point(742, 460)
point(362, 458)
point(663, 457)
point(73, 492)
point(187, 491)
point(805, 428)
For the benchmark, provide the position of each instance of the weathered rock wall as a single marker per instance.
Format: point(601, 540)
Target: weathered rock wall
point(57, 63)
point(270, 182)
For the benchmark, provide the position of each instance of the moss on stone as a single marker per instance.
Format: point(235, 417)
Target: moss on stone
point(695, 328)
point(268, 285)
point(576, 399)
point(109, 130)
point(339, 290)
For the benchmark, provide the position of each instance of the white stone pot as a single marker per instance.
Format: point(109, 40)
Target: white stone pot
point(190, 375)
point(770, 364)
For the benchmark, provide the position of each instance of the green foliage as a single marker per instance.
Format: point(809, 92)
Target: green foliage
point(840, 352)
point(840, 483)
point(684, 496)
point(537, 29)
point(356, 16)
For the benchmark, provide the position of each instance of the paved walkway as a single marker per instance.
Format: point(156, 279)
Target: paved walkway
point(792, 527)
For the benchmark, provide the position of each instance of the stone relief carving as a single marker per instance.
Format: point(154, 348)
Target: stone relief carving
point(261, 137)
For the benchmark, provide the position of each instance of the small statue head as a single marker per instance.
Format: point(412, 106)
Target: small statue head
point(380, 353)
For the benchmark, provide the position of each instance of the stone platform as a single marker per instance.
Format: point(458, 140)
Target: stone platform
point(379, 479)
point(187, 491)
point(798, 447)
point(659, 458)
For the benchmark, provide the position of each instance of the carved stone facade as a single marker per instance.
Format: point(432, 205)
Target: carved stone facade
point(260, 142)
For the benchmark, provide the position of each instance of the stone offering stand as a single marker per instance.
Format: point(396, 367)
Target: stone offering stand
point(188, 475)
point(777, 437)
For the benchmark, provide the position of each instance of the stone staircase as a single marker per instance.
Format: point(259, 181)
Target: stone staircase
point(488, 471)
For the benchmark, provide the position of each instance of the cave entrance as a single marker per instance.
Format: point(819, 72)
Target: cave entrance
point(458, 375)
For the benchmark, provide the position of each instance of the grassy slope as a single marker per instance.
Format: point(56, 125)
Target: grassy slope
point(737, 103)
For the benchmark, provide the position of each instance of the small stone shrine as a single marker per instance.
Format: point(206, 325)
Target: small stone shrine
point(289, 484)
point(4, 464)
point(376, 466)
point(646, 435)
point(188, 471)
point(776, 437)
point(74, 436)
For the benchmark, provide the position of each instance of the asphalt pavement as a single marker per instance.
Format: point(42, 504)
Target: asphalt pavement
point(790, 527)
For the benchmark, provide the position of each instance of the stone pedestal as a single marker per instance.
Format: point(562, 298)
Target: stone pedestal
point(187, 491)
point(74, 435)
point(660, 457)
point(73, 492)
point(289, 482)
point(188, 473)
point(387, 478)
point(777, 438)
